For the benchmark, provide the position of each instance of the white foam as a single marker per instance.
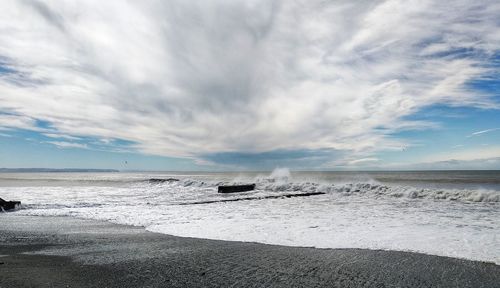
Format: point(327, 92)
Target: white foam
point(457, 223)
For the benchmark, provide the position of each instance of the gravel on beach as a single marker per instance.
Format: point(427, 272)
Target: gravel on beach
point(70, 252)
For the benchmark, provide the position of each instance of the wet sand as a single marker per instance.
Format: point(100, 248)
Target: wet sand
point(68, 252)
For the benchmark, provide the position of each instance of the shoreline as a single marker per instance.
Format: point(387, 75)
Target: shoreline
point(64, 251)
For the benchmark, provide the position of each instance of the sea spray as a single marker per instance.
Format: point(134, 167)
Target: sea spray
point(280, 181)
point(280, 175)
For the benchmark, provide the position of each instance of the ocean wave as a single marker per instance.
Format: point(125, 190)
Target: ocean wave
point(381, 190)
point(45, 206)
point(356, 189)
point(360, 213)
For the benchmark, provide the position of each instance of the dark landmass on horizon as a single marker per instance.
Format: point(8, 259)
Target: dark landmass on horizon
point(31, 170)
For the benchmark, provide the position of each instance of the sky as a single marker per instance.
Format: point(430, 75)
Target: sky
point(250, 85)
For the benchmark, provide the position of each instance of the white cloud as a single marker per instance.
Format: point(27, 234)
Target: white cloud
point(69, 137)
point(481, 157)
point(483, 152)
point(7, 122)
point(483, 131)
point(63, 144)
point(182, 78)
point(363, 161)
point(454, 164)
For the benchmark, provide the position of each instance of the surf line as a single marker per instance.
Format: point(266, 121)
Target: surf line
point(255, 198)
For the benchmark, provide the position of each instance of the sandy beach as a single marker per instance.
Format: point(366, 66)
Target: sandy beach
point(69, 252)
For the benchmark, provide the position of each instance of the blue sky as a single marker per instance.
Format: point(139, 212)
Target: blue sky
point(250, 85)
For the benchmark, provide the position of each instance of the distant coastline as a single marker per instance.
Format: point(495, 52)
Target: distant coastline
point(50, 170)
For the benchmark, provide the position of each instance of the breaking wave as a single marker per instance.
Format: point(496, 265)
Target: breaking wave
point(357, 189)
point(380, 190)
point(342, 212)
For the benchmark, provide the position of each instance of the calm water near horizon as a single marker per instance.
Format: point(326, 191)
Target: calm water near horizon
point(472, 179)
point(448, 213)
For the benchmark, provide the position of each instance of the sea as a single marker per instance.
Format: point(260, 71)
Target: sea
point(445, 213)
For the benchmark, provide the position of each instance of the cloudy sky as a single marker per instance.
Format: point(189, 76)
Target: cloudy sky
point(234, 84)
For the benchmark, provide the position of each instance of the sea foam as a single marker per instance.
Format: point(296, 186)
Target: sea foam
point(366, 214)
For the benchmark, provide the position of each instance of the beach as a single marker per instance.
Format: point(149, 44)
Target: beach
point(69, 252)
point(451, 214)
